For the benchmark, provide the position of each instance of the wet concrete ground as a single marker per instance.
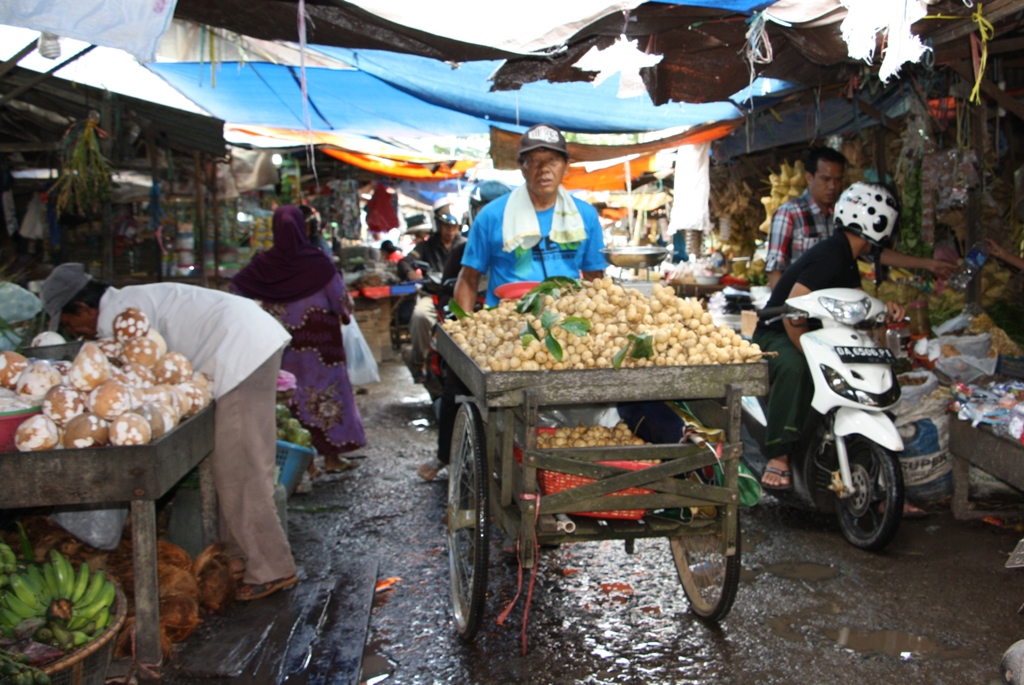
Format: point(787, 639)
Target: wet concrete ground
point(936, 607)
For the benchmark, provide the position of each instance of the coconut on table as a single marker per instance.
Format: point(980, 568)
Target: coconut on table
point(110, 426)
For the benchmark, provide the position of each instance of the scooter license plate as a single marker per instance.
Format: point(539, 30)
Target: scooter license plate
point(865, 355)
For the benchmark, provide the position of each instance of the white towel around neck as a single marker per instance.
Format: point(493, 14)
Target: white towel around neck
point(520, 227)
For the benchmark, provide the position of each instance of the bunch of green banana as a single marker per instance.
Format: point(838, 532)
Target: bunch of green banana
point(15, 670)
point(57, 605)
point(8, 565)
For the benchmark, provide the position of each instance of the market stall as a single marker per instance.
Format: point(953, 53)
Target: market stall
point(139, 475)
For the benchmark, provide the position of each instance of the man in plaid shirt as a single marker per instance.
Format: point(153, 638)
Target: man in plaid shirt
point(801, 223)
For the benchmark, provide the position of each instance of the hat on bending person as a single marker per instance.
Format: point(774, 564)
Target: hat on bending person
point(60, 287)
point(542, 136)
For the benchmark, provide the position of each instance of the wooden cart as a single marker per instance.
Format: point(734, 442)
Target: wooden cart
point(140, 475)
point(486, 481)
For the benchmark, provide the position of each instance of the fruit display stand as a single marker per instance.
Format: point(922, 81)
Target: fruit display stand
point(500, 418)
point(138, 474)
point(1002, 457)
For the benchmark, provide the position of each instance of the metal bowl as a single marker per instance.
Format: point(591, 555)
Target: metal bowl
point(635, 257)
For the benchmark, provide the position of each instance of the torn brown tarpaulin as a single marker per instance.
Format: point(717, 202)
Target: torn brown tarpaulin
point(702, 47)
point(505, 144)
point(330, 23)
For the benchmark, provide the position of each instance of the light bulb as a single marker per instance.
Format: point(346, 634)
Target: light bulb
point(49, 45)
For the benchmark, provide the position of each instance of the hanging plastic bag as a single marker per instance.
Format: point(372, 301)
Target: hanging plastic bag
point(362, 367)
point(94, 525)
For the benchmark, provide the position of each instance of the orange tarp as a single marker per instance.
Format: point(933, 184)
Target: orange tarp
point(505, 144)
point(426, 171)
point(609, 178)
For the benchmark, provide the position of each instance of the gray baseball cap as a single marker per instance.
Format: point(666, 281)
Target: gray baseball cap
point(63, 283)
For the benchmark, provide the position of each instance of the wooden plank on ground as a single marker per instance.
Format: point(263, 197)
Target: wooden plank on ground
point(312, 635)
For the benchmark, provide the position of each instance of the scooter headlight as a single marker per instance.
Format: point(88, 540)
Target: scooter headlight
point(849, 313)
point(840, 387)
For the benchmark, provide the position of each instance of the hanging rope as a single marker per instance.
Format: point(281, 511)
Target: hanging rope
point(310, 149)
point(758, 47)
point(985, 33)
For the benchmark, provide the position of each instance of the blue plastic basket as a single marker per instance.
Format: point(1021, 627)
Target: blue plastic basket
point(293, 460)
point(404, 289)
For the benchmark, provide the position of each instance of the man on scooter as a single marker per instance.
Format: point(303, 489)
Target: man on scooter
point(866, 216)
point(434, 251)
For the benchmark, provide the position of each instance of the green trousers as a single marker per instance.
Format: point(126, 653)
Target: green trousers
point(792, 389)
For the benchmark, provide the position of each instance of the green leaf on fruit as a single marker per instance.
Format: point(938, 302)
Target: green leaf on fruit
point(620, 356)
point(458, 311)
point(576, 325)
point(643, 345)
point(548, 319)
point(554, 347)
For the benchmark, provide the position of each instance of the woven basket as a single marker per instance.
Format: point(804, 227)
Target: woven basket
point(88, 665)
point(551, 482)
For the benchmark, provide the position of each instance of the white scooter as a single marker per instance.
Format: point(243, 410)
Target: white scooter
point(844, 461)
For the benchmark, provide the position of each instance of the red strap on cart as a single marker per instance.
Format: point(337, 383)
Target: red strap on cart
point(533, 573)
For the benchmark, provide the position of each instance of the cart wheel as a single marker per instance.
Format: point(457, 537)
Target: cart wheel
point(468, 536)
point(709, 578)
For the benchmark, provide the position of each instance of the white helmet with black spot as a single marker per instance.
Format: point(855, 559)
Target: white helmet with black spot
point(868, 209)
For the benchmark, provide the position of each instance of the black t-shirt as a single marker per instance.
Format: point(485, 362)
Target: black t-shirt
point(453, 264)
point(433, 252)
point(829, 264)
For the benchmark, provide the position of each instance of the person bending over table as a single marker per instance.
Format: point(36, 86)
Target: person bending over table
point(240, 346)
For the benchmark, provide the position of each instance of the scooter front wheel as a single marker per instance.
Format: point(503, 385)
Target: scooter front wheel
point(871, 516)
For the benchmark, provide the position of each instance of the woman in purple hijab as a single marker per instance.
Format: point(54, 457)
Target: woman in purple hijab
point(297, 284)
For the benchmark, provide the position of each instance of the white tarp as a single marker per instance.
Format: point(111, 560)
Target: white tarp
point(523, 27)
point(134, 26)
point(692, 191)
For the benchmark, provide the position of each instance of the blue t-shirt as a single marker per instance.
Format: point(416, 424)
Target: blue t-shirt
point(484, 253)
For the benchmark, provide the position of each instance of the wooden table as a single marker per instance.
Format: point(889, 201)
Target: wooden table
point(139, 475)
point(999, 456)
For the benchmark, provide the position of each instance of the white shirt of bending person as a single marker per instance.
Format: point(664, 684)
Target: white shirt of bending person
point(223, 335)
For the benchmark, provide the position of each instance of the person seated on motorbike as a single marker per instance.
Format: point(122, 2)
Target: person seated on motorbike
point(483, 194)
point(866, 216)
point(434, 252)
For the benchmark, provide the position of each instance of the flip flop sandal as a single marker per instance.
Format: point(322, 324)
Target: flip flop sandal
point(248, 592)
point(781, 473)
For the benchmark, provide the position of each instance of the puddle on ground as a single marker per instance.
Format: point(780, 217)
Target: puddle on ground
point(784, 626)
point(748, 575)
point(803, 571)
point(894, 643)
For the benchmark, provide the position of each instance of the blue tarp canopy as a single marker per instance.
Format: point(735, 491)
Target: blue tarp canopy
point(744, 6)
point(262, 94)
point(397, 95)
point(576, 106)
